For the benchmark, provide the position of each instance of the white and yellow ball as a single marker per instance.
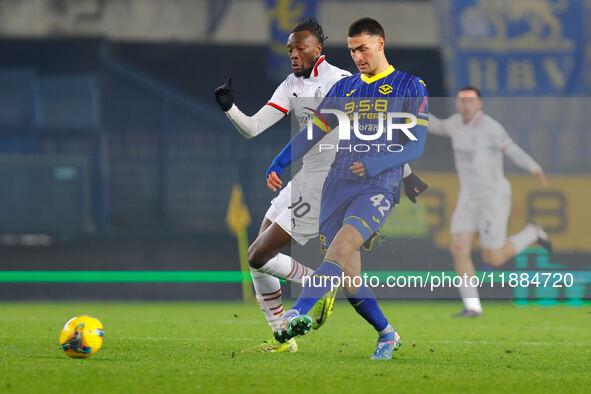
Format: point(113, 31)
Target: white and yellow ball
point(82, 336)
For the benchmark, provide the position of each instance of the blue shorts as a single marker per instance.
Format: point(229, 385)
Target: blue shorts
point(361, 205)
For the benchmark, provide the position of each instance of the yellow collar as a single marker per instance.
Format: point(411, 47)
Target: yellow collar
point(381, 75)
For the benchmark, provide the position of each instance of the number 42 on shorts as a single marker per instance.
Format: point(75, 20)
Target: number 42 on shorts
point(382, 208)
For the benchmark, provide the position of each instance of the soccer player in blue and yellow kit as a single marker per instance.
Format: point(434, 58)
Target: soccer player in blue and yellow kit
point(363, 184)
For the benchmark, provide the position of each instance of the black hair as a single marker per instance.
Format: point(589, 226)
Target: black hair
point(366, 25)
point(472, 88)
point(310, 24)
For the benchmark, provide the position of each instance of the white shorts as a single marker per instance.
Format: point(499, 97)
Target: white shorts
point(488, 217)
point(297, 207)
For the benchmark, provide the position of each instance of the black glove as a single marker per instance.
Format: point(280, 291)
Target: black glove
point(224, 95)
point(413, 186)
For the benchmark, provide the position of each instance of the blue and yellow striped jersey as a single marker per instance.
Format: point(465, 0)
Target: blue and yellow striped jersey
point(365, 97)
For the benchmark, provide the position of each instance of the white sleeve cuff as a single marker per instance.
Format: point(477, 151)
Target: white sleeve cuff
point(407, 171)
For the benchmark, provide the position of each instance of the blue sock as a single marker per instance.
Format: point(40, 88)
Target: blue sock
point(365, 303)
point(318, 285)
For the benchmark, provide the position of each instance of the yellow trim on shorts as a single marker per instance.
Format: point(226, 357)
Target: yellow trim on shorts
point(362, 221)
point(333, 262)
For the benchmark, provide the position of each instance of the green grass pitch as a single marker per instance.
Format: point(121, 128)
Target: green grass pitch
point(196, 347)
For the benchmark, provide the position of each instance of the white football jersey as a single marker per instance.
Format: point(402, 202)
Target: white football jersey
point(323, 76)
point(478, 152)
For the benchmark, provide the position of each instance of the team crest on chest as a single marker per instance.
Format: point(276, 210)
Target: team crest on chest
point(385, 89)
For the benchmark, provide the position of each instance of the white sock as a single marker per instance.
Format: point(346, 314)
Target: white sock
point(524, 238)
point(284, 267)
point(268, 293)
point(386, 330)
point(470, 297)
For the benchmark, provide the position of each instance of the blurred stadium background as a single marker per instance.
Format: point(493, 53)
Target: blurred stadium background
point(116, 161)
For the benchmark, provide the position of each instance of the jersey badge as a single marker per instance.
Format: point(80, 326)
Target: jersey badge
point(385, 89)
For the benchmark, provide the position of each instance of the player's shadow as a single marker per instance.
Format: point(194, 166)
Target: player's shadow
point(64, 357)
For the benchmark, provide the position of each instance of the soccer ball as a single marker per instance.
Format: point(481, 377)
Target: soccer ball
point(82, 336)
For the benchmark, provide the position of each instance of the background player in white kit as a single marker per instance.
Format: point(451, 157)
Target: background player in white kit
point(294, 212)
point(484, 201)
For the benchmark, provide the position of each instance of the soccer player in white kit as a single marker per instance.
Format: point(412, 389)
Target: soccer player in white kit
point(484, 201)
point(293, 214)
